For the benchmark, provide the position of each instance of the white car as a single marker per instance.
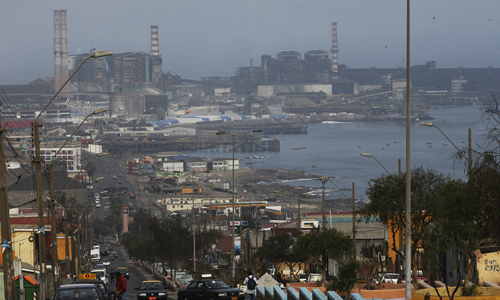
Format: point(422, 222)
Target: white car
point(106, 262)
point(387, 278)
point(98, 204)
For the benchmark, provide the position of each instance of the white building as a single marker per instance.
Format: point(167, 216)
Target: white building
point(195, 165)
point(71, 155)
point(186, 203)
point(173, 166)
point(221, 164)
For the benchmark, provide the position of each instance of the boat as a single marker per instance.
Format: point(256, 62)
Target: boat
point(295, 148)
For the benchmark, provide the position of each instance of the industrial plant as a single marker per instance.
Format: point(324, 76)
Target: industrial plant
point(134, 86)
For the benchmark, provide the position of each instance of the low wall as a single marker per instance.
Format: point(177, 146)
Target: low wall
point(484, 293)
point(390, 291)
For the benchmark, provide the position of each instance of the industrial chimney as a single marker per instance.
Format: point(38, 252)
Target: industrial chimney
point(155, 50)
point(335, 49)
point(64, 51)
point(57, 50)
point(61, 72)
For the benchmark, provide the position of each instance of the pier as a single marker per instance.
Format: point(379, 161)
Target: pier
point(206, 145)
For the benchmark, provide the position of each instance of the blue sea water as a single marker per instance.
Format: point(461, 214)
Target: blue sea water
point(334, 150)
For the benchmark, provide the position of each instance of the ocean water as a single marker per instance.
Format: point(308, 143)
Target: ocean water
point(334, 150)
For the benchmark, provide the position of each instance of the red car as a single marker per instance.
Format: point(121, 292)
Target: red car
point(131, 195)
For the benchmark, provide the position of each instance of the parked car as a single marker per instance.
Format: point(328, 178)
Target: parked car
point(210, 289)
point(420, 276)
point(386, 278)
point(151, 290)
point(78, 291)
point(303, 277)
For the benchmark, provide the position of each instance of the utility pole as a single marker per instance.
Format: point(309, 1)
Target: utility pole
point(8, 268)
point(77, 257)
point(39, 193)
point(323, 181)
point(66, 242)
point(353, 223)
point(55, 257)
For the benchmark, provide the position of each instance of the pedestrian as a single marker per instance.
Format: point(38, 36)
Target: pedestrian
point(111, 276)
point(251, 283)
point(121, 287)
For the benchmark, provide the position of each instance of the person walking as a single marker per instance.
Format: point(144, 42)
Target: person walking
point(251, 283)
point(121, 286)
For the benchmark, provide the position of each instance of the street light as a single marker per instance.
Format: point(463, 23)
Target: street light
point(95, 112)
point(38, 167)
point(369, 155)
point(233, 253)
point(83, 168)
point(66, 215)
point(428, 124)
point(298, 209)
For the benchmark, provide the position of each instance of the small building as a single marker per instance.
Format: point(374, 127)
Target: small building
point(222, 164)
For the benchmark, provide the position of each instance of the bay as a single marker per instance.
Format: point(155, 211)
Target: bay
point(334, 150)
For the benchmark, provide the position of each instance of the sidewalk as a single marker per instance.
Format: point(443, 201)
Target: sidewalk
point(144, 274)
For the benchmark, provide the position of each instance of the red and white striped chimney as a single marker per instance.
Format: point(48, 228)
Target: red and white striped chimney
point(155, 50)
point(335, 49)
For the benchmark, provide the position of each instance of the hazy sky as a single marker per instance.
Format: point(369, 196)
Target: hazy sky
point(213, 37)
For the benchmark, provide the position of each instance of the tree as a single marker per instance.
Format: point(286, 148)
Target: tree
point(346, 280)
point(90, 169)
point(387, 195)
point(280, 248)
point(324, 244)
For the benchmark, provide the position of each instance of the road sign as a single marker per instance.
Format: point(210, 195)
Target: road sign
point(87, 276)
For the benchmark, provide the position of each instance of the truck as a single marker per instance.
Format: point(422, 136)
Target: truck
point(222, 186)
point(95, 255)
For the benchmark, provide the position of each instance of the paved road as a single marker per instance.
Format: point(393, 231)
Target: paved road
point(113, 175)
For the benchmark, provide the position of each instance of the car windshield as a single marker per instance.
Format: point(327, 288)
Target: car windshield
point(216, 284)
point(98, 273)
point(78, 294)
point(152, 286)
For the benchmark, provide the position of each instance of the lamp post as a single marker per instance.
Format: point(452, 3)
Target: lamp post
point(408, 157)
point(38, 167)
point(233, 252)
point(298, 209)
point(66, 216)
point(323, 217)
point(353, 214)
point(369, 155)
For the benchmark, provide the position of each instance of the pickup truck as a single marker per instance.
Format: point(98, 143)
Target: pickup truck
point(420, 276)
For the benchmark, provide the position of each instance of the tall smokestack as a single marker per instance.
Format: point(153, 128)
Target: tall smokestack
point(155, 50)
point(64, 51)
point(335, 49)
point(57, 50)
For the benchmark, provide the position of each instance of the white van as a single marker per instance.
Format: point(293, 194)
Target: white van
point(100, 274)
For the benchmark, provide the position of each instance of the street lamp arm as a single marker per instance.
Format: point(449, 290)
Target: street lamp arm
point(449, 140)
point(369, 155)
point(433, 125)
point(381, 165)
point(98, 154)
point(95, 55)
point(339, 189)
point(95, 112)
